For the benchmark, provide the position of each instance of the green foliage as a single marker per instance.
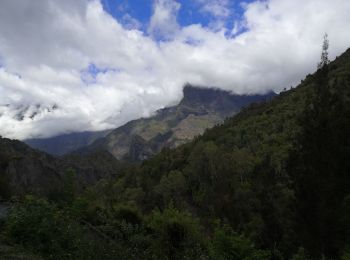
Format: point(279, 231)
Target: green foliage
point(65, 191)
point(227, 244)
point(69, 185)
point(176, 235)
point(54, 233)
point(300, 255)
point(320, 168)
point(5, 189)
point(346, 255)
point(43, 228)
point(172, 187)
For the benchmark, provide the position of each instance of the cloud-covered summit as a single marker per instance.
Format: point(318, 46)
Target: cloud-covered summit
point(99, 72)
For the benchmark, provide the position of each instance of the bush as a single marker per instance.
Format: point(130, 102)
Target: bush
point(43, 228)
point(226, 244)
point(175, 235)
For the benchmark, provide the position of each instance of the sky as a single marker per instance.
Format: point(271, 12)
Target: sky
point(69, 66)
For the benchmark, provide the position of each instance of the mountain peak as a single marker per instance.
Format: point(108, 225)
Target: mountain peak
point(219, 100)
point(195, 94)
point(200, 108)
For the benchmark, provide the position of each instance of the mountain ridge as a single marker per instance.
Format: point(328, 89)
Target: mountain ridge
point(65, 143)
point(26, 170)
point(200, 108)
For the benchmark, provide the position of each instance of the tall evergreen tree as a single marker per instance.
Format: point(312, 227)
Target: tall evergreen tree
point(324, 55)
point(320, 166)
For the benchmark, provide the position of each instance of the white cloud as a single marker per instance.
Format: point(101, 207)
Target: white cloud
point(163, 22)
point(217, 8)
point(130, 22)
point(47, 46)
point(219, 12)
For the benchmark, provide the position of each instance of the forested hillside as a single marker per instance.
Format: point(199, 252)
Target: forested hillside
point(269, 183)
point(24, 170)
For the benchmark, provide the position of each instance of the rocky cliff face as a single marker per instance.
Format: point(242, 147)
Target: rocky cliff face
point(170, 127)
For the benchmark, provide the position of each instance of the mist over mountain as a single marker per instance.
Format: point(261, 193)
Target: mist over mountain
point(200, 109)
point(22, 112)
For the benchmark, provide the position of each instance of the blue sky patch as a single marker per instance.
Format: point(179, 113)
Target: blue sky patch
point(89, 75)
point(190, 12)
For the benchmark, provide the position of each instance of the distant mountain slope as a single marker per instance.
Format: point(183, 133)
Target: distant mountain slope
point(66, 143)
point(26, 170)
point(199, 109)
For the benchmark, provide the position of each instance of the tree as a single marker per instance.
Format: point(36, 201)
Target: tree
point(324, 55)
point(69, 185)
point(175, 235)
point(227, 244)
point(320, 166)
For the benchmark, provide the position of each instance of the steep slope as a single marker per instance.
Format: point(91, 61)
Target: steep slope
point(170, 127)
point(25, 170)
point(278, 172)
point(63, 144)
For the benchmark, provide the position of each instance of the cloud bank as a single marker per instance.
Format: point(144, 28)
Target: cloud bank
point(69, 66)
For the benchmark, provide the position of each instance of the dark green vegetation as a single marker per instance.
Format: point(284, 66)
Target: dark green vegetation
point(270, 183)
point(24, 170)
point(170, 127)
